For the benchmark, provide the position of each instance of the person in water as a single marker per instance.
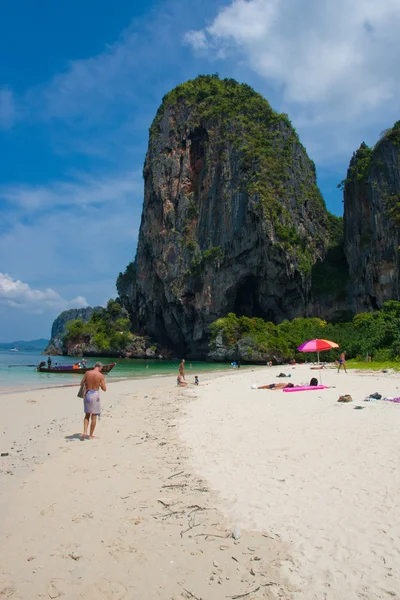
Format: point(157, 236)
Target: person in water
point(94, 380)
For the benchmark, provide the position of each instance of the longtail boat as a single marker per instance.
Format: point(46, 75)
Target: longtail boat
point(71, 370)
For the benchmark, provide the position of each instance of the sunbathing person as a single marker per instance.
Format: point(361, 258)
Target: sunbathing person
point(275, 386)
point(281, 386)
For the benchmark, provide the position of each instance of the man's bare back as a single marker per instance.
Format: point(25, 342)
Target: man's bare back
point(95, 380)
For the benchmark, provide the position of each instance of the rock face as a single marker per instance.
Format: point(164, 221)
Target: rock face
point(55, 345)
point(371, 222)
point(244, 350)
point(232, 217)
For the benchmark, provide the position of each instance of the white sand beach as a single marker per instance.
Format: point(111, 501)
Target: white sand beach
point(321, 475)
point(147, 510)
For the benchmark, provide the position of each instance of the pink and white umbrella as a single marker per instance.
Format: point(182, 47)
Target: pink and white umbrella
point(317, 346)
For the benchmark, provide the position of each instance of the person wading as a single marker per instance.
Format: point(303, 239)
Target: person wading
point(94, 380)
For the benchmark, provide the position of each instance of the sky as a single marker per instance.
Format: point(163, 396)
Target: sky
point(80, 83)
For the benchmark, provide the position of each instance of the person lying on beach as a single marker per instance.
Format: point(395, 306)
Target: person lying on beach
point(181, 381)
point(282, 386)
point(275, 386)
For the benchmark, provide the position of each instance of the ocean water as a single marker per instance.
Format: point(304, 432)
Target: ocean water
point(15, 373)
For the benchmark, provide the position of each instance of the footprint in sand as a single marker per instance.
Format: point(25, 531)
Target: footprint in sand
point(6, 590)
point(52, 590)
point(105, 590)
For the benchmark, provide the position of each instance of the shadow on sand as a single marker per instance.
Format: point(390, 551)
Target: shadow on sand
point(74, 437)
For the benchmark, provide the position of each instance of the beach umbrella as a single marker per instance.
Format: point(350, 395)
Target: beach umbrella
point(317, 346)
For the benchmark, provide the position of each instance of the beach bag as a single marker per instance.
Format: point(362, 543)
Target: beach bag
point(375, 396)
point(345, 398)
point(82, 390)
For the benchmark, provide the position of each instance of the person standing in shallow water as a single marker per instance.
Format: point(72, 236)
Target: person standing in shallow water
point(342, 362)
point(94, 380)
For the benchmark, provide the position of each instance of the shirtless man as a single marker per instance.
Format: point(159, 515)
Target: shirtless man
point(94, 380)
point(342, 362)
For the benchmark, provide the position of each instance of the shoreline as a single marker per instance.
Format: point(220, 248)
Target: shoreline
point(114, 379)
point(4, 390)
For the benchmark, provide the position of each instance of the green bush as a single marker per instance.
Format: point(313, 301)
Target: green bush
point(374, 334)
point(108, 329)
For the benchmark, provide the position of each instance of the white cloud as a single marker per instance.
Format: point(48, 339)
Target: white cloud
point(196, 39)
point(8, 111)
point(334, 60)
point(17, 294)
point(84, 190)
point(74, 239)
point(90, 85)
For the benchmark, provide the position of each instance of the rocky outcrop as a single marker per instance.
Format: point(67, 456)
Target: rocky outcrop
point(232, 217)
point(55, 345)
point(371, 222)
point(138, 347)
point(246, 350)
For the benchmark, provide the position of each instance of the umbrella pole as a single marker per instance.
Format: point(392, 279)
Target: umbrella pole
point(320, 370)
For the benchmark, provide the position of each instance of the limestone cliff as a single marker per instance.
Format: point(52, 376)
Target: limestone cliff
point(371, 222)
point(232, 217)
point(55, 345)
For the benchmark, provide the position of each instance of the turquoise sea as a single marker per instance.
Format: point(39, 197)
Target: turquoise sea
point(15, 374)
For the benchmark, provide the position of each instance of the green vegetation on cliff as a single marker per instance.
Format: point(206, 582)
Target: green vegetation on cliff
point(275, 168)
point(376, 334)
point(107, 329)
point(363, 159)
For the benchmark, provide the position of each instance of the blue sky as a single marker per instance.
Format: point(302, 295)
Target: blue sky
point(81, 81)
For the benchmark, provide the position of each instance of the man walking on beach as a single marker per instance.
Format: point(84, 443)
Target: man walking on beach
point(94, 380)
point(342, 362)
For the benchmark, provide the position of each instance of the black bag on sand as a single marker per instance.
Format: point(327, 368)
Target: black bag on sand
point(375, 396)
